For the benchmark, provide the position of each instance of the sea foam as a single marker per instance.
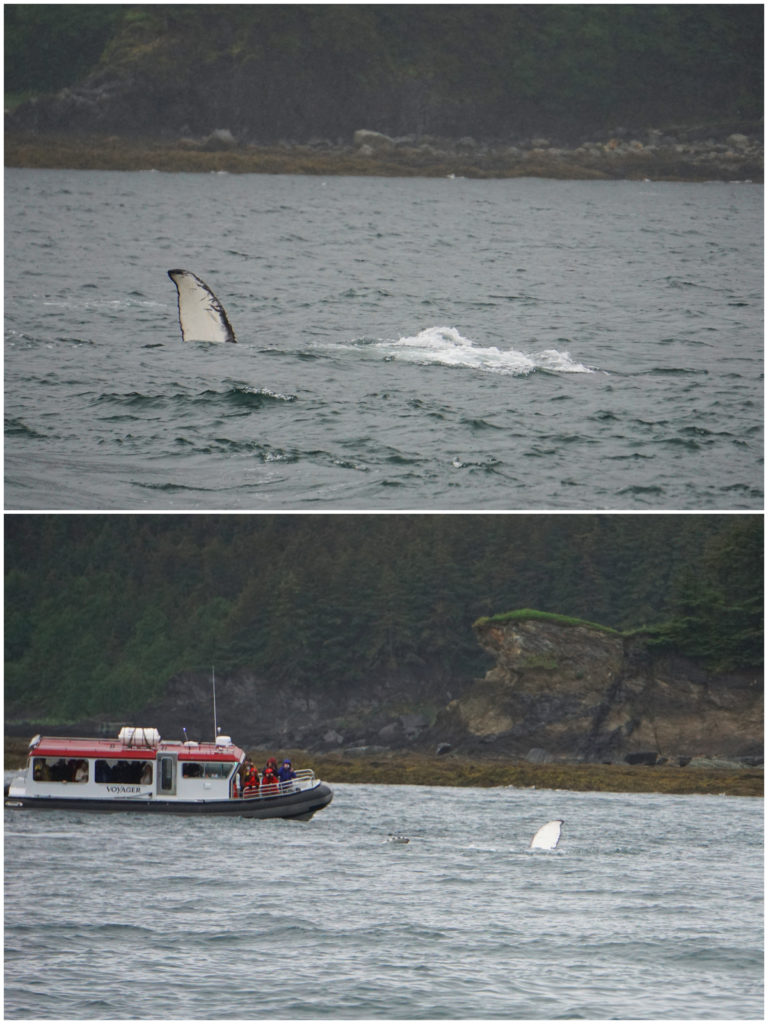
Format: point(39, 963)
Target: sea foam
point(445, 346)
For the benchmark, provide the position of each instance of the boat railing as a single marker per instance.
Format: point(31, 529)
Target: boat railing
point(305, 779)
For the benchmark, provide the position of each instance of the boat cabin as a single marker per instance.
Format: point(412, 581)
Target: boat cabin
point(137, 764)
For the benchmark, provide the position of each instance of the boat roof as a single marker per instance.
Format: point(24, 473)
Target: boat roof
point(77, 747)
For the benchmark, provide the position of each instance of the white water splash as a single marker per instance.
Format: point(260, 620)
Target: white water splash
point(445, 346)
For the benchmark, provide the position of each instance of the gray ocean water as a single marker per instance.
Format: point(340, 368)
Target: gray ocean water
point(403, 344)
point(651, 907)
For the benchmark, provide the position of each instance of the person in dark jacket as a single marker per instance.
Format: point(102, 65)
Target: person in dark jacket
point(285, 772)
point(244, 771)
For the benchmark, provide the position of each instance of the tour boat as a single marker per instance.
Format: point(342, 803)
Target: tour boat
point(140, 772)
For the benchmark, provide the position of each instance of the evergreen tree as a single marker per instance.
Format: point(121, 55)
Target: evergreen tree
point(101, 610)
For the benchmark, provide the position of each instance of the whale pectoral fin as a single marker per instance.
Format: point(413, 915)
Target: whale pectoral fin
point(201, 315)
point(548, 836)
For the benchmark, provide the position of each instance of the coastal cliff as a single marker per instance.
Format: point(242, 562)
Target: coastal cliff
point(558, 690)
point(571, 689)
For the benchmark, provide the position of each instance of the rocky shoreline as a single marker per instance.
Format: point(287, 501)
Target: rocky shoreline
point(702, 154)
point(399, 768)
point(409, 768)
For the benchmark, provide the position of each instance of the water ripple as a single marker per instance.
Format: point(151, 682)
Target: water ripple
point(390, 327)
point(462, 922)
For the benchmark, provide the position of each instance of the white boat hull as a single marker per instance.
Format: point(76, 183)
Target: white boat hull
point(301, 804)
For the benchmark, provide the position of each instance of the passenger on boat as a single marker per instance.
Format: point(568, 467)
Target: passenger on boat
point(244, 771)
point(285, 773)
point(269, 779)
point(58, 771)
point(250, 783)
point(81, 771)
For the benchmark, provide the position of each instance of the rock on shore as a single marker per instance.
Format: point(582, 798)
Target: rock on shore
point(686, 152)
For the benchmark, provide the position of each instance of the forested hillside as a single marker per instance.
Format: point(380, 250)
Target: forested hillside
point(102, 610)
point(272, 71)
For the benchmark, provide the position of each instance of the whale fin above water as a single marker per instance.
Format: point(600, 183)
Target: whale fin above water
point(201, 315)
point(548, 836)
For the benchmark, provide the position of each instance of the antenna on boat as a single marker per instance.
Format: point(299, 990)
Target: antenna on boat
point(213, 685)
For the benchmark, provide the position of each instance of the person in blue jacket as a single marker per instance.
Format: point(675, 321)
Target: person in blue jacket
point(285, 772)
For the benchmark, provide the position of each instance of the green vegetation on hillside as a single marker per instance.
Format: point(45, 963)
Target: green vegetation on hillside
point(272, 71)
point(713, 612)
point(49, 46)
point(101, 610)
point(713, 615)
point(524, 614)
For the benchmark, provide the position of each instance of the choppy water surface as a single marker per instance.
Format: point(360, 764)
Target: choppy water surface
point(402, 343)
point(651, 907)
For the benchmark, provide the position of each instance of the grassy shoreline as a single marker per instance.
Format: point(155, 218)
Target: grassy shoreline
point(407, 768)
point(114, 153)
point(453, 770)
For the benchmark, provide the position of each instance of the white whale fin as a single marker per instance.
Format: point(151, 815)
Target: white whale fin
point(548, 836)
point(201, 315)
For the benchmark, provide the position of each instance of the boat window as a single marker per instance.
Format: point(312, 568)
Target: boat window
point(205, 769)
point(113, 770)
point(59, 769)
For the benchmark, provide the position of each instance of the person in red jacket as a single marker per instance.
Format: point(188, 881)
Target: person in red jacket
point(251, 782)
point(269, 778)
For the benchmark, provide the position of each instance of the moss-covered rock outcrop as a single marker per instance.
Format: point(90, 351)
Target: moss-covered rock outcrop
point(577, 689)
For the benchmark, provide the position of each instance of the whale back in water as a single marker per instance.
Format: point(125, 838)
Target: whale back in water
point(201, 315)
point(548, 836)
